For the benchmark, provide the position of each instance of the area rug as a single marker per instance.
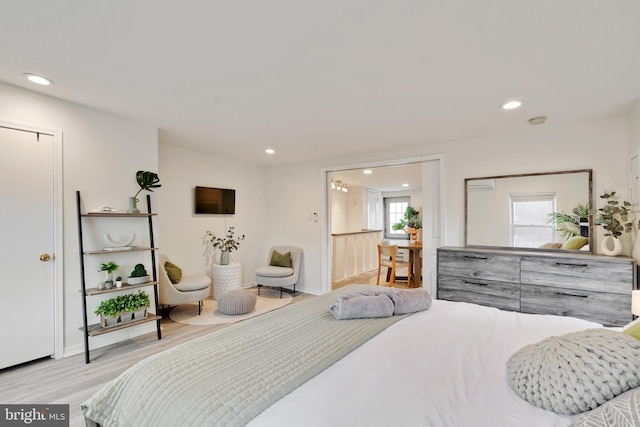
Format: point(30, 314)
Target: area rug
point(268, 300)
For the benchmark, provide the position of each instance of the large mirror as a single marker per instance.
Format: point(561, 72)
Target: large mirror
point(516, 211)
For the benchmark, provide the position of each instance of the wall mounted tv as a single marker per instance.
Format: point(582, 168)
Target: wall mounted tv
point(215, 200)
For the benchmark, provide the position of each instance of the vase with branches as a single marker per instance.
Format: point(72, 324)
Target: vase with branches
point(226, 244)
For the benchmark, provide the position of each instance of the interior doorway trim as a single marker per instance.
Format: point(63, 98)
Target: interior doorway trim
point(58, 201)
point(326, 197)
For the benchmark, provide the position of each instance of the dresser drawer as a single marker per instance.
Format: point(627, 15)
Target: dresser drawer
point(478, 265)
point(611, 309)
point(501, 295)
point(576, 273)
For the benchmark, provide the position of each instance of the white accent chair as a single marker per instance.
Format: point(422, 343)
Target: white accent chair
point(274, 276)
point(191, 288)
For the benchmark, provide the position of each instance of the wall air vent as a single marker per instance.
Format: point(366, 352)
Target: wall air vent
point(481, 184)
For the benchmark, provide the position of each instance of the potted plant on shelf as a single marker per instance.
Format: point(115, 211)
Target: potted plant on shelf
point(139, 304)
point(147, 181)
point(108, 268)
point(225, 244)
point(109, 312)
point(411, 222)
point(614, 218)
point(123, 308)
point(138, 276)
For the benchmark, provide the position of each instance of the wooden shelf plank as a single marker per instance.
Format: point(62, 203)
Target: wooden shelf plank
point(117, 214)
point(96, 291)
point(96, 329)
point(138, 249)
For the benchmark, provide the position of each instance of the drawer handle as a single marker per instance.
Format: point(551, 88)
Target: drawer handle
point(572, 295)
point(475, 257)
point(572, 265)
point(474, 283)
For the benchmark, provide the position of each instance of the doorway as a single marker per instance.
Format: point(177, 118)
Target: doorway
point(30, 253)
point(428, 194)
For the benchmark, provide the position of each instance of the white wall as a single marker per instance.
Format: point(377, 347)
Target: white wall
point(601, 145)
point(181, 230)
point(348, 210)
point(101, 154)
point(275, 205)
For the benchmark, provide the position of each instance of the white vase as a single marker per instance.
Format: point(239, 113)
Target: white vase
point(611, 246)
point(224, 258)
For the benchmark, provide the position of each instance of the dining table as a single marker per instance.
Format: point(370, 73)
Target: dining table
point(415, 249)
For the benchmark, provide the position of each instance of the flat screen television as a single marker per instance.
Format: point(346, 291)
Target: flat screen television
point(215, 200)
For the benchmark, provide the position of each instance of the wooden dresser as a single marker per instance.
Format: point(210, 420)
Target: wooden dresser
point(591, 287)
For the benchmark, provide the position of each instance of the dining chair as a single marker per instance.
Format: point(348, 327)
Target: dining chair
point(388, 257)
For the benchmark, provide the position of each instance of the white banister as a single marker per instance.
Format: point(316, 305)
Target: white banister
point(354, 253)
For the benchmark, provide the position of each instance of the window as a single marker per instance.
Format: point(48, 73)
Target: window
point(394, 208)
point(529, 219)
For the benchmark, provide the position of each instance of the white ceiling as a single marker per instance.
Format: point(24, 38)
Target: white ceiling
point(384, 178)
point(317, 79)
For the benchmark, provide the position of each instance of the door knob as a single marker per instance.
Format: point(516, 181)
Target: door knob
point(45, 257)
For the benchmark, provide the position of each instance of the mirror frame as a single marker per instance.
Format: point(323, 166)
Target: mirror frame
point(591, 206)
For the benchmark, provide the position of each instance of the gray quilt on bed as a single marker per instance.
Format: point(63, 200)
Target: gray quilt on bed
point(230, 376)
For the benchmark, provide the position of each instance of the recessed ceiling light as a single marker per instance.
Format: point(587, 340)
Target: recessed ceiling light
point(511, 105)
point(367, 171)
point(38, 79)
point(405, 185)
point(269, 151)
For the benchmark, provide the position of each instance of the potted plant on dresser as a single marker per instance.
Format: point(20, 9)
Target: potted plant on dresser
point(615, 218)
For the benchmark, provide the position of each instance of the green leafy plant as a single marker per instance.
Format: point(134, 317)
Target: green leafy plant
point(614, 216)
point(138, 271)
point(410, 219)
point(569, 224)
point(108, 308)
point(147, 181)
point(141, 300)
point(109, 267)
point(127, 302)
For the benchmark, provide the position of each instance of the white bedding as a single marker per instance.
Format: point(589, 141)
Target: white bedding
point(438, 368)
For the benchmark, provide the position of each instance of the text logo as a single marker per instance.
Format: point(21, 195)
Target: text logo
point(34, 415)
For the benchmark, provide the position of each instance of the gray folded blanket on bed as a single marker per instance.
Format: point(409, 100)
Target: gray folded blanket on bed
point(380, 303)
point(358, 306)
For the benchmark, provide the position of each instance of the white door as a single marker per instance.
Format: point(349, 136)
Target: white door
point(26, 240)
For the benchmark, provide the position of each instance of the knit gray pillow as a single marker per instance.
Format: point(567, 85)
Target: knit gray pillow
point(576, 372)
point(623, 411)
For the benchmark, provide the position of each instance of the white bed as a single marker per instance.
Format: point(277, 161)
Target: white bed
point(441, 367)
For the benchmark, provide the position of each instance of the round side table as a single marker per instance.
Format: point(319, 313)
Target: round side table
point(226, 278)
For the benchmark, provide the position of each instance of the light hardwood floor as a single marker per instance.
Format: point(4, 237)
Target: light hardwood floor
point(71, 381)
point(369, 277)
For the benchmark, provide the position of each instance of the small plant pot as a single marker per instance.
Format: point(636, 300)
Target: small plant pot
point(137, 280)
point(107, 321)
point(108, 285)
point(126, 316)
point(140, 314)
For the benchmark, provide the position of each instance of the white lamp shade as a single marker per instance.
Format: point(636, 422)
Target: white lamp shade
point(635, 302)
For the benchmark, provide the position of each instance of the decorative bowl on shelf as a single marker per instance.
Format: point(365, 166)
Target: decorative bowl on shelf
point(137, 280)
